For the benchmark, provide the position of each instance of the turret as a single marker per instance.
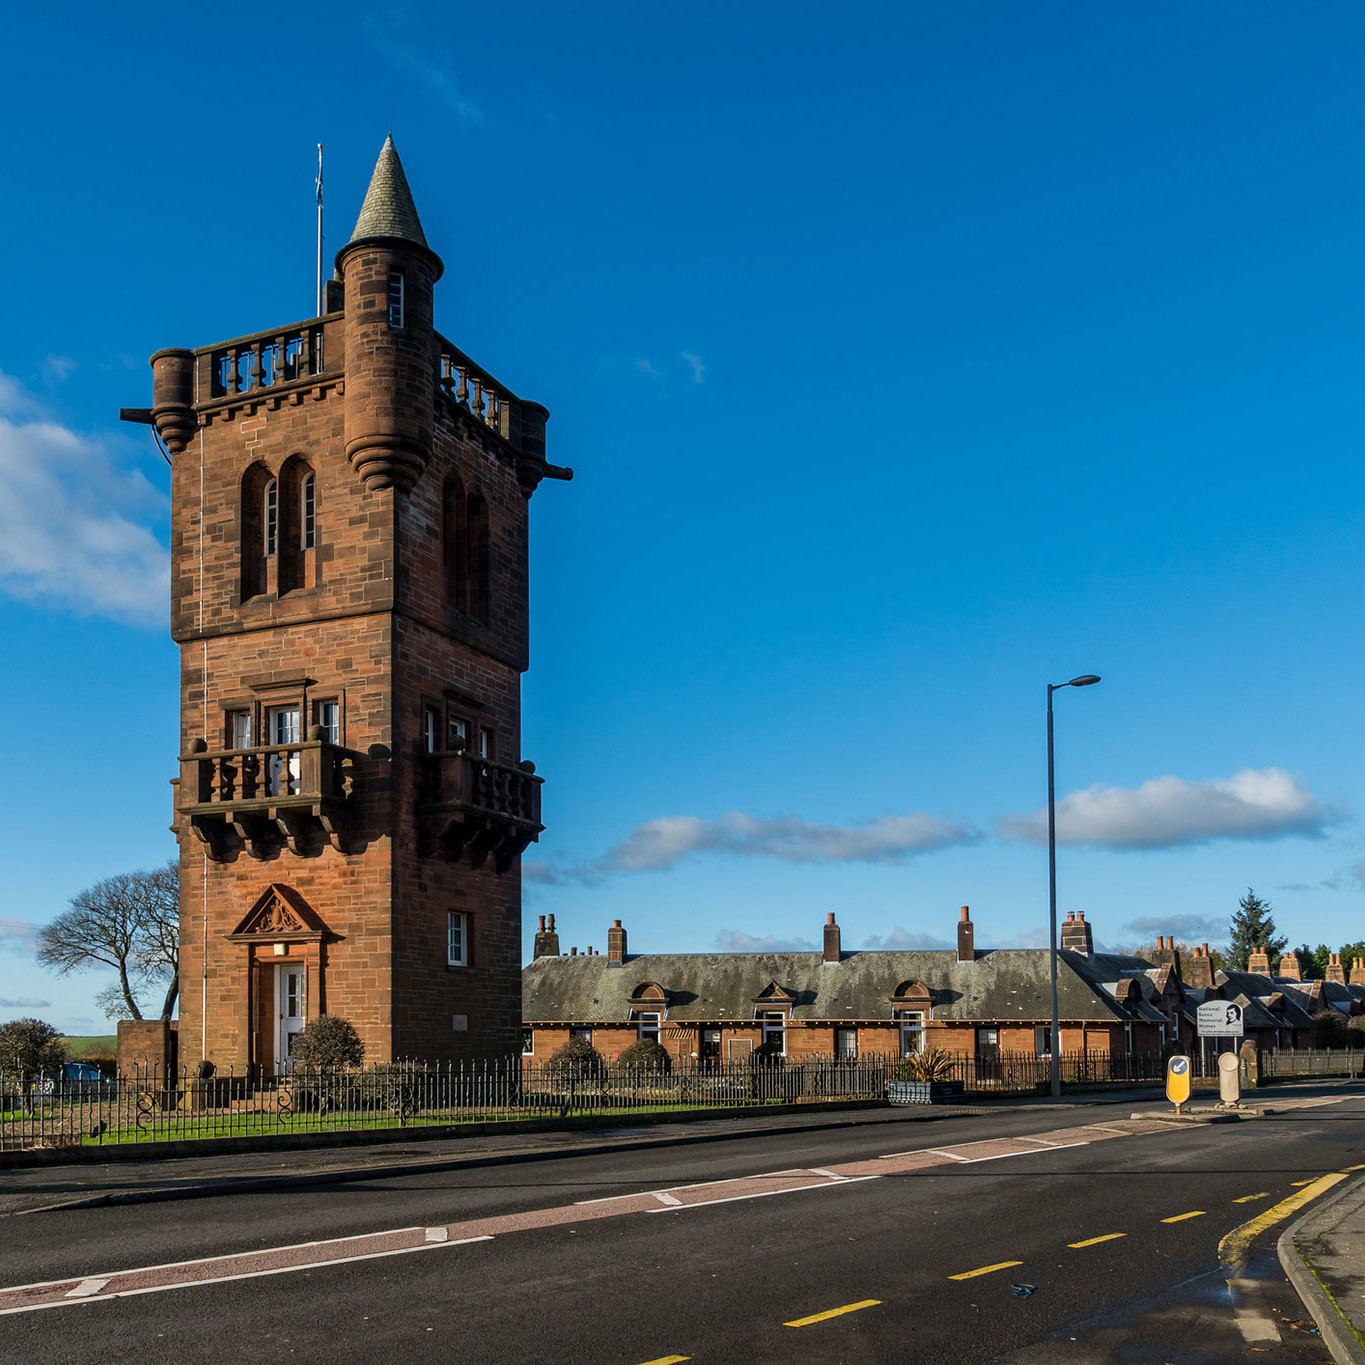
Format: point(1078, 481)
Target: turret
point(173, 398)
point(389, 274)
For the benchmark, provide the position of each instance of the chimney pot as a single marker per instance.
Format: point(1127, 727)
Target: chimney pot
point(829, 918)
point(541, 926)
point(966, 914)
point(552, 923)
point(573, 952)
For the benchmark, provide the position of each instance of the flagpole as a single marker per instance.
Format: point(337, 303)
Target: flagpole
point(319, 187)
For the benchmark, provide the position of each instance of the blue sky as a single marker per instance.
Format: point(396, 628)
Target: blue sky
point(909, 358)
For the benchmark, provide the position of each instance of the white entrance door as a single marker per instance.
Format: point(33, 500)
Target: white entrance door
point(283, 728)
point(291, 1011)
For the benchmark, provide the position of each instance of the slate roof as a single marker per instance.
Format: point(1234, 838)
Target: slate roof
point(388, 210)
point(1000, 985)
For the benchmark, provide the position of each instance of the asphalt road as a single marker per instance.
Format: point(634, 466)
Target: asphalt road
point(1116, 1241)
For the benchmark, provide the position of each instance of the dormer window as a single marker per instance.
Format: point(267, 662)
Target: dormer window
point(271, 542)
point(396, 300)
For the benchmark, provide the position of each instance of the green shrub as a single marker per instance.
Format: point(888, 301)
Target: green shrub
point(646, 1055)
point(1329, 1030)
point(933, 1064)
point(577, 1058)
point(30, 1047)
point(328, 1043)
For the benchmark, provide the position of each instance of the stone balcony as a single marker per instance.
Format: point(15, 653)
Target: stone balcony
point(263, 799)
point(472, 808)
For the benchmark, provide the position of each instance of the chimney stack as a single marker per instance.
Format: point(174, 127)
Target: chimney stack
point(1259, 961)
point(1335, 971)
point(1357, 976)
point(1076, 936)
point(833, 951)
point(966, 937)
point(616, 944)
point(1288, 968)
point(1201, 969)
point(547, 941)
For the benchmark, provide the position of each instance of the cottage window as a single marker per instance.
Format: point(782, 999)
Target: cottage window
point(912, 1032)
point(987, 1042)
point(396, 299)
point(774, 1030)
point(582, 1032)
point(1042, 1040)
point(647, 1025)
point(846, 1044)
point(528, 1042)
point(457, 939)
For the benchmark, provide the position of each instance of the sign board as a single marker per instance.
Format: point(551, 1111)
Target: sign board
point(1178, 1081)
point(1220, 1019)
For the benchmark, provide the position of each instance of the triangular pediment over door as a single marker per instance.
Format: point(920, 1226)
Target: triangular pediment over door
point(280, 914)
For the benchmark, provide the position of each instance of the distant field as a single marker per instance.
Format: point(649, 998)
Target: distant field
point(101, 1044)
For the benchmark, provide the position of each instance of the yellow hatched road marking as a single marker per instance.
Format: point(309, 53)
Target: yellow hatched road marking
point(833, 1313)
point(1180, 1217)
point(1233, 1248)
point(668, 1360)
point(1295, 1184)
point(1247, 1198)
point(1095, 1241)
point(984, 1270)
point(1353, 1168)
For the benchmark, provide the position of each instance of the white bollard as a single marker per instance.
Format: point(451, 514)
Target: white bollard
point(1229, 1078)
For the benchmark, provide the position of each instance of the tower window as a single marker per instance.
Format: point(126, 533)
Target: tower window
point(271, 541)
point(431, 730)
point(309, 511)
point(396, 300)
point(327, 714)
point(457, 939)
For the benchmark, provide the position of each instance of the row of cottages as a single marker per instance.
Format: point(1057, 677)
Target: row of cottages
point(721, 1006)
point(1277, 1004)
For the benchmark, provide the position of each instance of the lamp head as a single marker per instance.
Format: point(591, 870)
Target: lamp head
point(1085, 680)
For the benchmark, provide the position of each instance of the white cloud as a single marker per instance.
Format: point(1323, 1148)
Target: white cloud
point(69, 528)
point(662, 843)
point(418, 62)
point(646, 366)
point(1187, 928)
point(694, 363)
point(18, 935)
point(737, 941)
point(25, 1002)
point(902, 941)
point(1168, 812)
point(56, 368)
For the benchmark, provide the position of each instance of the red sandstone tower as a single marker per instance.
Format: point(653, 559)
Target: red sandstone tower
point(349, 594)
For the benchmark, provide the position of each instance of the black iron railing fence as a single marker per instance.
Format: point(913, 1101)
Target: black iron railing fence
point(148, 1106)
point(1315, 1062)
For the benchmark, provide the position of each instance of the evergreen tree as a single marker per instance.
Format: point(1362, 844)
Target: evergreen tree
point(1352, 953)
point(1252, 927)
point(1322, 955)
point(1308, 963)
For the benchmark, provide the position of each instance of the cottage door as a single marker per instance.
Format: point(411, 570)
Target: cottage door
point(290, 1012)
point(283, 728)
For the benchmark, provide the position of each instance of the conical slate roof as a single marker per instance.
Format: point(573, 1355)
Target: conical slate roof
point(388, 210)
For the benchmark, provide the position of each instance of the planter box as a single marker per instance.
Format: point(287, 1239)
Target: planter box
point(924, 1092)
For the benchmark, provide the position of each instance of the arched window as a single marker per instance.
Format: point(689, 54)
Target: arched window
point(298, 524)
point(272, 518)
point(453, 544)
point(476, 551)
point(259, 528)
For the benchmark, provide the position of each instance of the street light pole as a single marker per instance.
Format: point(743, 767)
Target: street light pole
point(1055, 1040)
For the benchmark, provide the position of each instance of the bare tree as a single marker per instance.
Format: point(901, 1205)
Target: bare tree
point(129, 922)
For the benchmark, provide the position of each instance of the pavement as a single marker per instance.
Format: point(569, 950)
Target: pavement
point(1323, 1253)
point(87, 1184)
